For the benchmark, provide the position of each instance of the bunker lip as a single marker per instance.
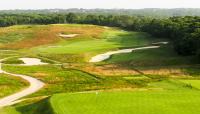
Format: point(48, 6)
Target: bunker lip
point(31, 61)
point(159, 43)
point(107, 55)
point(67, 35)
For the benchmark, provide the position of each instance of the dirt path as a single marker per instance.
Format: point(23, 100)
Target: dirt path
point(35, 85)
point(107, 55)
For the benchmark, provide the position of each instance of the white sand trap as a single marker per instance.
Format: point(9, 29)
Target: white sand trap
point(68, 35)
point(102, 57)
point(32, 61)
point(158, 43)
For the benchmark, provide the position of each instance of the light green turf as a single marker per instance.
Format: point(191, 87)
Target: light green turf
point(111, 39)
point(160, 95)
point(146, 102)
point(162, 56)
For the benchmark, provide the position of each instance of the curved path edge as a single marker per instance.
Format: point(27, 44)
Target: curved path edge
point(107, 55)
point(35, 85)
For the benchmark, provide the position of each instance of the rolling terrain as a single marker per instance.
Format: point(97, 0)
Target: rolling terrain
point(146, 81)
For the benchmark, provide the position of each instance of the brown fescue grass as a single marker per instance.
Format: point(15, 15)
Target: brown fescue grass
point(88, 31)
point(48, 34)
point(164, 71)
point(104, 70)
point(118, 70)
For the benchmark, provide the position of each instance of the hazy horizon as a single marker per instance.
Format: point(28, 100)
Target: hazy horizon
point(96, 4)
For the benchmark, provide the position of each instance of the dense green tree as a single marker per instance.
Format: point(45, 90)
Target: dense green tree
point(184, 32)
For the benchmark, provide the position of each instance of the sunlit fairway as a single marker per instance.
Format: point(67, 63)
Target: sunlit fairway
point(151, 81)
point(170, 97)
point(111, 39)
point(44, 40)
point(146, 102)
point(152, 57)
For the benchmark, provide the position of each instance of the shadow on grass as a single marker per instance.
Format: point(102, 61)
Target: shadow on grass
point(40, 107)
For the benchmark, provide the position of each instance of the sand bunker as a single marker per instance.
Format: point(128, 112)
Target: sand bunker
point(32, 61)
point(68, 35)
point(159, 43)
point(102, 57)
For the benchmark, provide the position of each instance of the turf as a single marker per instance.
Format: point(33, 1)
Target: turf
point(163, 56)
point(43, 40)
point(85, 47)
point(159, 102)
point(134, 92)
point(58, 79)
point(110, 40)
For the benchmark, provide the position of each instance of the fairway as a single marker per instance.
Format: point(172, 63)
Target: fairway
point(140, 77)
point(136, 102)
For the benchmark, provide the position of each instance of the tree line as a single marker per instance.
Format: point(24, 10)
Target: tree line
point(184, 32)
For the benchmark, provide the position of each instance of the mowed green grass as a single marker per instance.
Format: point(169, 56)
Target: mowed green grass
point(10, 84)
point(110, 39)
point(138, 102)
point(149, 94)
point(83, 48)
point(163, 56)
point(43, 40)
point(174, 97)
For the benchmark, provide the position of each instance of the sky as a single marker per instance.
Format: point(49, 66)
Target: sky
point(90, 4)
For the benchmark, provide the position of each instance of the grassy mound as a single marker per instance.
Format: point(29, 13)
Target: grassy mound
point(10, 84)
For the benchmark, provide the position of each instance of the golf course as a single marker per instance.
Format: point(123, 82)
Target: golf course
point(92, 69)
